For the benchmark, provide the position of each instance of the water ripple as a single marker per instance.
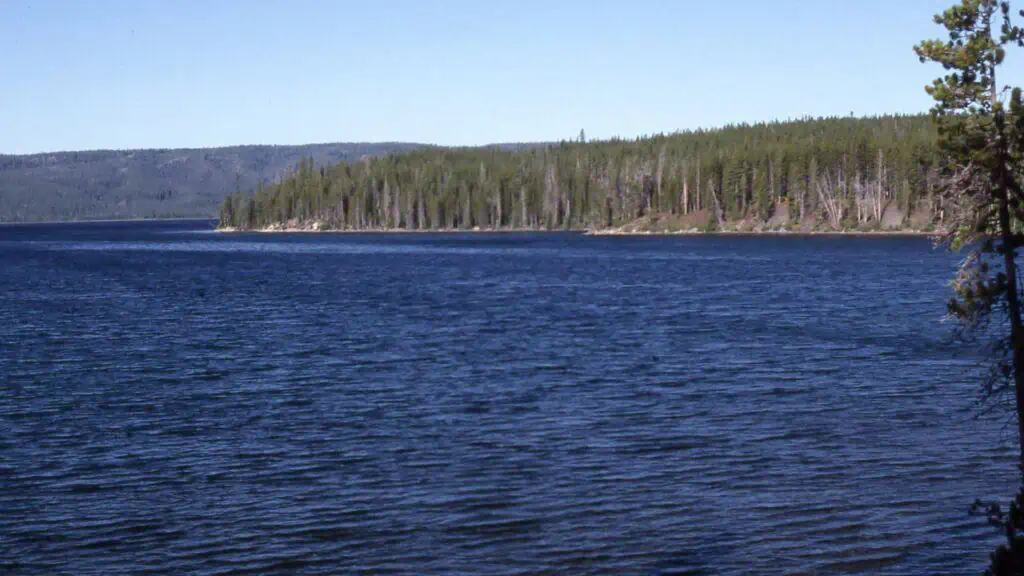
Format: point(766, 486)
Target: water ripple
point(180, 402)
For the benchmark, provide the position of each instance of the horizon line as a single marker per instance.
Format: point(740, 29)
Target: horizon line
point(412, 143)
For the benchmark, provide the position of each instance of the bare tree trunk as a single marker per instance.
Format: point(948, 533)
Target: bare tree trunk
point(397, 207)
point(879, 187)
point(409, 204)
point(860, 195)
point(812, 185)
point(741, 192)
point(754, 200)
point(828, 192)
point(801, 191)
point(482, 182)
point(497, 205)
point(715, 206)
point(550, 197)
point(438, 206)
point(567, 223)
point(522, 206)
point(698, 206)
point(658, 174)
point(420, 209)
point(686, 187)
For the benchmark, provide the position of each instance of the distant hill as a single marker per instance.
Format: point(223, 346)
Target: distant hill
point(152, 183)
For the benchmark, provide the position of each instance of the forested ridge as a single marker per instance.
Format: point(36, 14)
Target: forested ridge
point(823, 173)
point(152, 183)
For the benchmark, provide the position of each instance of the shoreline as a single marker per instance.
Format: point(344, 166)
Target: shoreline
point(773, 233)
point(584, 232)
point(310, 229)
point(276, 230)
point(109, 221)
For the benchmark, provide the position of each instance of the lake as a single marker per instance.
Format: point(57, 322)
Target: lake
point(180, 401)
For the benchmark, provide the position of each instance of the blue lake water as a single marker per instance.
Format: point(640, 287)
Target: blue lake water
point(173, 400)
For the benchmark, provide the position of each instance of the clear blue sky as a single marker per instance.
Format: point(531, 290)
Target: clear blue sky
point(80, 74)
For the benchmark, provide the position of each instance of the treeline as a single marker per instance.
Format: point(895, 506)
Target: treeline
point(835, 172)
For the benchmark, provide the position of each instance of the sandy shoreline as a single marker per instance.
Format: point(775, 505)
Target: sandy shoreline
point(277, 230)
point(769, 233)
point(585, 232)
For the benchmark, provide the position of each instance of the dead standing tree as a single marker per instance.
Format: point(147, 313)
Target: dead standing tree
point(829, 189)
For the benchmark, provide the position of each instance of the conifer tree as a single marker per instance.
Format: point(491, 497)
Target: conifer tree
point(981, 136)
point(597, 184)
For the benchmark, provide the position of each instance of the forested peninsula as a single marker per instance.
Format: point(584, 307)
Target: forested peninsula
point(811, 175)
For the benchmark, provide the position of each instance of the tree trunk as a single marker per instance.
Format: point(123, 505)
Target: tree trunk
point(497, 205)
point(1013, 308)
point(800, 213)
point(568, 211)
point(524, 221)
point(879, 187)
point(828, 193)
point(420, 209)
point(661, 169)
point(397, 207)
point(686, 188)
point(715, 206)
point(697, 197)
point(1010, 263)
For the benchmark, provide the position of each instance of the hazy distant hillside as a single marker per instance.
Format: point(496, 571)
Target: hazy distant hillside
point(151, 183)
